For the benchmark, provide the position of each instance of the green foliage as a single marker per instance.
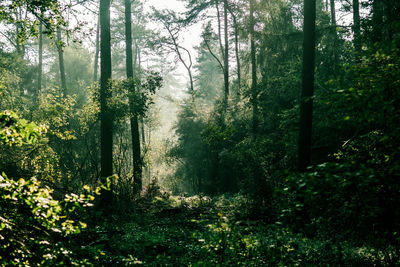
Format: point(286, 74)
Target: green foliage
point(48, 11)
point(354, 198)
point(160, 232)
point(16, 131)
point(17, 84)
point(140, 92)
point(32, 222)
point(35, 228)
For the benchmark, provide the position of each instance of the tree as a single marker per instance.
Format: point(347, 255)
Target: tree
point(236, 33)
point(307, 92)
point(335, 37)
point(106, 118)
point(224, 47)
point(226, 53)
point(196, 9)
point(356, 26)
point(254, 89)
point(174, 25)
point(48, 12)
point(40, 68)
point(60, 51)
point(137, 162)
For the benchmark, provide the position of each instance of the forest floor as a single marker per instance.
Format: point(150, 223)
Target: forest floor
point(167, 230)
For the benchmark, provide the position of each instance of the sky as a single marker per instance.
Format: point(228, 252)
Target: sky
point(170, 4)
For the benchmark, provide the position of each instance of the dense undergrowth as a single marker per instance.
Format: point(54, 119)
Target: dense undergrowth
point(333, 214)
point(161, 229)
point(167, 230)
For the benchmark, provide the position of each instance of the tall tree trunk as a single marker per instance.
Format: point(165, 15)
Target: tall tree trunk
point(40, 67)
point(226, 53)
point(356, 27)
point(224, 49)
point(307, 92)
point(19, 45)
point(377, 21)
point(237, 54)
point(254, 91)
point(17, 42)
point(236, 29)
point(61, 62)
point(18, 28)
point(334, 36)
point(137, 162)
point(221, 46)
point(106, 118)
point(96, 55)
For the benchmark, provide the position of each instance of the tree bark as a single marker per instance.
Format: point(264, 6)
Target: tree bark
point(226, 53)
point(377, 21)
point(305, 133)
point(356, 27)
point(106, 118)
point(254, 91)
point(40, 66)
point(137, 162)
point(18, 28)
point(224, 49)
point(235, 25)
point(221, 46)
point(334, 35)
point(61, 62)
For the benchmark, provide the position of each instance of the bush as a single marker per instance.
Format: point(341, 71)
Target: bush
point(34, 227)
point(355, 197)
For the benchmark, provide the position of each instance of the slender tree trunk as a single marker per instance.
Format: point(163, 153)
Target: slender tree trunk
point(188, 66)
point(18, 28)
point(96, 55)
point(221, 46)
point(226, 54)
point(305, 134)
point(356, 27)
point(106, 118)
point(377, 21)
point(136, 65)
point(237, 56)
point(61, 62)
point(148, 143)
point(254, 91)
point(142, 132)
point(17, 43)
point(237, 48)
point(19, 46)
point(137, 162)
point(333, 12)
point(40, 67)
point(224, 49)
point(334, 35)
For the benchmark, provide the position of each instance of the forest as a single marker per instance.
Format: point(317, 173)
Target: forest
point(199, 133)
